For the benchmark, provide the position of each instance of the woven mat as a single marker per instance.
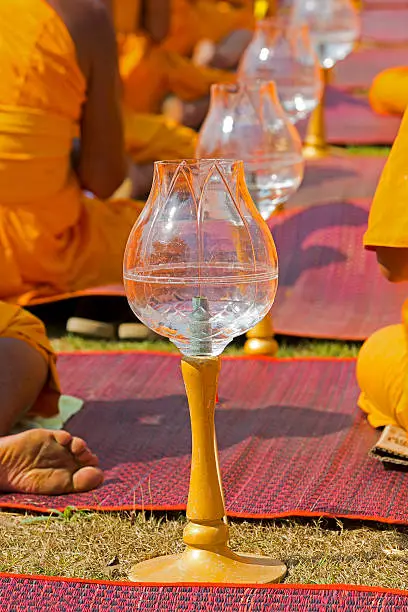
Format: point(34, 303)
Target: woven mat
point(385, 4)
point(42, 593)
point(386, 27)
point(350, 121)
point(329, 286)
point(359, 69)
point(291, 439)
point(338, 179)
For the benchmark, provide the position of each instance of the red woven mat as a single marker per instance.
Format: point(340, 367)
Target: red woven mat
point(350, 121)
point(291, 439)
point(329, 286)
point(385, 4)
point(338, 179)
point(387, 27)
point(359, 69)
point(42, 594)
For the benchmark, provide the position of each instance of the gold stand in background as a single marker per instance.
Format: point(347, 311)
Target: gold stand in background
point(315, 146)
point(265, 8)
point(358, 4)
point(261, 339)
point(207, 556)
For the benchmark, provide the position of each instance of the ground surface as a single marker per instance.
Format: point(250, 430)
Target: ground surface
point(104, 546)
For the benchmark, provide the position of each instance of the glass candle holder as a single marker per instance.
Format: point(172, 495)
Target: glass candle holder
point(281, 51)
point(334, 28)
point(246, 120)
point(201, 268)
point(200, 264)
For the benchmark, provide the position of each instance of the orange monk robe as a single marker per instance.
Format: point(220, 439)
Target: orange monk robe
point(21, 325)
point(382, 367)
point(53, 239)
point(155, 137)
point(389, 91)
point(195, 20)
point(150, 71)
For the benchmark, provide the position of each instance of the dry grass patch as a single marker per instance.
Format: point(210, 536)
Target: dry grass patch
point(104, 546)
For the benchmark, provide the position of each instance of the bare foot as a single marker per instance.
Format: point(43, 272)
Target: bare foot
point(47, 462)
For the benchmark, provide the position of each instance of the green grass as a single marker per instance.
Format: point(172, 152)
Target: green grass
point(288, 347)
point(105, 546)
point(382, 151)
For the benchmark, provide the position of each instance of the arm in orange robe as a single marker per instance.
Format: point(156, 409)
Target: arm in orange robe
point(21, 325)
point(389, 91)
point(382, 366)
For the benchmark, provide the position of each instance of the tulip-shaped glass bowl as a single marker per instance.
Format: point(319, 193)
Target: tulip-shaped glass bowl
point(281, 51)
point(334, 27)
point(201, 268)
point(246, 120)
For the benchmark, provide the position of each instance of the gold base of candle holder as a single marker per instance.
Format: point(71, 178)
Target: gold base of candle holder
point(213, 566)
point(260, 339)
point(207, 557)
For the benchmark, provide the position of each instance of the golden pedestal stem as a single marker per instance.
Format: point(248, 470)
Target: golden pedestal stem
point(315, 146)
point(261, 340)
point(207, 556)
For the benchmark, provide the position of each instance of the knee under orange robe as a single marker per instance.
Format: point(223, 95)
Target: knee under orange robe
point(53, 239)
point(382, 366)
point(389, 91)
point(151, 71)
point(21, 325)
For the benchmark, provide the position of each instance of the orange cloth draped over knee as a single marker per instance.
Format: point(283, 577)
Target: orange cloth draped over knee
point(20, 324)
point(389, 91)
point(382, 366)
point(150, 71)
point(53, 239)
point(196, 20)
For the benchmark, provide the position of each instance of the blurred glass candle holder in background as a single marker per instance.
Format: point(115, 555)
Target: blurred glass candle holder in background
point(281, 51)
point(246, 120)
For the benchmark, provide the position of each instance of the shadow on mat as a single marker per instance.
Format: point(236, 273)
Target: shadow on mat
point(289, 236)
point(315, 176)
point(131, 431)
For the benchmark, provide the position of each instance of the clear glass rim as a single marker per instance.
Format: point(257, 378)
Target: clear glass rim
point(198, 161)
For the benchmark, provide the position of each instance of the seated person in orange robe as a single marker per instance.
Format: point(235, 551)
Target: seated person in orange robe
point(151, 64)
point(382, 367)
point(389, 91)
point(38, 460)
point(59, 81)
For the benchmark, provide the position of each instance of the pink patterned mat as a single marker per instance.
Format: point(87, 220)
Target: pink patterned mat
point(292, 440)
point(329, 286)
point(386, 27)
point(338, 179)
point(385, 4)
point(20, 593)
point(359, 69)
point(350, 121)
